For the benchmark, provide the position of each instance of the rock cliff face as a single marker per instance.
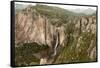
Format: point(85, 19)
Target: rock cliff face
point(35, 28)
point(81, 36)
point(32, 28)
point(54, 37)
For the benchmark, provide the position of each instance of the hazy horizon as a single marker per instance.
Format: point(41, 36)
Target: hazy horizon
point(69, 7)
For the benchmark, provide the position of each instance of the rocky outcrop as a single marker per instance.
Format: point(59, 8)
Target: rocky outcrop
point(54, 37)
point(81, 36)
point(32, 27)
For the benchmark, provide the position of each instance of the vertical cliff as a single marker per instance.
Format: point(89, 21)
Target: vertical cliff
point(36, 29)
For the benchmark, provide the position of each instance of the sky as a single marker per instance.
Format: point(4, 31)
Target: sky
point(70, 7)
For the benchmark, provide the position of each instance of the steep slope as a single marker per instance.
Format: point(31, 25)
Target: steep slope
point(81, 45)
point(32, 30)
point(80, 33)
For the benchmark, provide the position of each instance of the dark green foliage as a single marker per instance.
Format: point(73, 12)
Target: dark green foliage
point(75, 50)
point(24, 54)
point(72, 53)
point(54, 14)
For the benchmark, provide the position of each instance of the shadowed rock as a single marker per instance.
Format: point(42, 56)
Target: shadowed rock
point(32, 27)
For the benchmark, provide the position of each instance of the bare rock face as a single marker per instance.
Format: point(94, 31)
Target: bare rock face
point(81, 36)
point(32, 27)
point(73, 41)
point(86, 24)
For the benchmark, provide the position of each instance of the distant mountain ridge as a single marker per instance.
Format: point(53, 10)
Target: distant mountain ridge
point(75, 12)
point(30, 23)
point(88, 11)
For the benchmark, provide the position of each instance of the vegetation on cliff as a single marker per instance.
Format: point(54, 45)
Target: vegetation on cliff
point(80, 40)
